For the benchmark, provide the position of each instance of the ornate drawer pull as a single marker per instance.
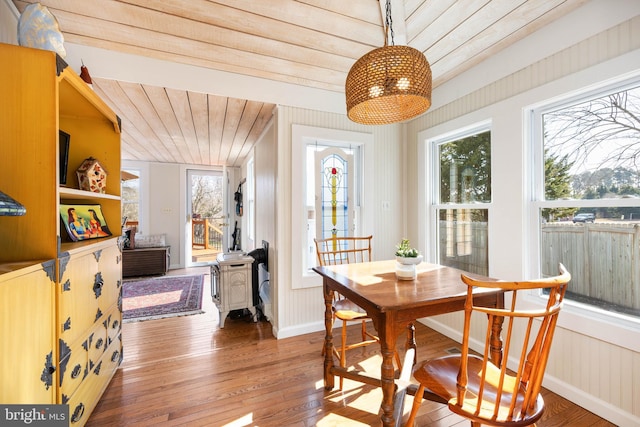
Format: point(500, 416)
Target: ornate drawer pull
point(77, 413)
point(77, 370)
point(115, 356)
point(99, 343)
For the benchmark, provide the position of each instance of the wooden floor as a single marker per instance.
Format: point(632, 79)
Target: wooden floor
point(186, 371)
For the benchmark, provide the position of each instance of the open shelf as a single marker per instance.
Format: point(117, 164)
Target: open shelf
point(75, 194)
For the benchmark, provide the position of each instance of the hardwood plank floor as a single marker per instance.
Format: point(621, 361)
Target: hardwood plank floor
point(186, 371)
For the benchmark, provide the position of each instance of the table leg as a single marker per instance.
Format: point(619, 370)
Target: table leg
point(411, 340)
point(495, 341)
point(387, 372)
point(328, 337)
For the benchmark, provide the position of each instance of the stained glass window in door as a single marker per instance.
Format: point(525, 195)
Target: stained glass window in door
point(334, 178)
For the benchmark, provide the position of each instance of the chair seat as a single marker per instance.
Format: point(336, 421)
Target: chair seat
point(344, 309)
point(440, 377)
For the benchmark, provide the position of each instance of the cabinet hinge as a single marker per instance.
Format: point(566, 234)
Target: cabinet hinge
point(49, 268)
point(61, 64)
point(62, 261)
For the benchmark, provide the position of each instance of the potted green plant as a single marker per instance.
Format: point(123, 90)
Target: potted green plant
point(405, 254)
point(406, 260)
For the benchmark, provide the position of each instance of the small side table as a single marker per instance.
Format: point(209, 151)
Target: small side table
point(235, 285)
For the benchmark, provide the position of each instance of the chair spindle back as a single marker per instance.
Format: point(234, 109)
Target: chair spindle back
point(527, 338)
point(343, 250)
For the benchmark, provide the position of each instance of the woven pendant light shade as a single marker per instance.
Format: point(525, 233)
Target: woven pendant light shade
point(390, 84)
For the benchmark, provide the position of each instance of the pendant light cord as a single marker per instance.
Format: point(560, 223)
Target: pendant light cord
point(389, 23)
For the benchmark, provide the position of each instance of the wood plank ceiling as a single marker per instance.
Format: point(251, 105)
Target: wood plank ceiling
point(311, 43)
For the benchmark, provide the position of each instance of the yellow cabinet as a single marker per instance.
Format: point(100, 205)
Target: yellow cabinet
point(89, 286)
point(89, 325)
point(27, 338)
point(60, 321)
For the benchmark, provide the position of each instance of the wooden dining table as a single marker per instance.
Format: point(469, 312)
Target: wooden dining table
point(394, 305)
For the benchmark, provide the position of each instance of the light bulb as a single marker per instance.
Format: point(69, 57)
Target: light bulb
point(375, 91)
point(403, 83)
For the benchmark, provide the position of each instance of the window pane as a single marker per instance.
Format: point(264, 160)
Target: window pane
point(130, 195)
point(592, 148)
point(599, 246)
point(207, 210)
point(331, 193)
point(465, 169)
point(463, 239)
point(334, 196)
point(591, 205)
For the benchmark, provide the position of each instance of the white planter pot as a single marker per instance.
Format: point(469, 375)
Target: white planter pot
point(406, 267)
point(409, 260)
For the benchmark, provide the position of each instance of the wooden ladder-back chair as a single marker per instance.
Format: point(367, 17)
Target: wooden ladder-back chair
point(486, 392)
point(347, 250)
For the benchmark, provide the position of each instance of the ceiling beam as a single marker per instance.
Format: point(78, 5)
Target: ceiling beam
point(107, 64)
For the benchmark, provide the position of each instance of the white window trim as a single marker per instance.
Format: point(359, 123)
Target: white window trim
point(614, 328)
point(301, 135)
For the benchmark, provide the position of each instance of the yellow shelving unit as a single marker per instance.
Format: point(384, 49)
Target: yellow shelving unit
point(71, 289)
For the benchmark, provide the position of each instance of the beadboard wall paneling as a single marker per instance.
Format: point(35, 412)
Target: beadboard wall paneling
point(265, 165)
point(302, 310)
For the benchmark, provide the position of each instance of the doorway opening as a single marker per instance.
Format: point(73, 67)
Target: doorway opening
point(207, 216)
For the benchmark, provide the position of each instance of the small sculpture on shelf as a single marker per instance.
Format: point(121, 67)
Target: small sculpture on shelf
point(84, 75)
point(92, 176)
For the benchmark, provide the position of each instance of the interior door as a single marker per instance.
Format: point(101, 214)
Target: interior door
point(207, 216)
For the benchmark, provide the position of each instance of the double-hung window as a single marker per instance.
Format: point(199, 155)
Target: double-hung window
point(585, 209)
point(461, 194)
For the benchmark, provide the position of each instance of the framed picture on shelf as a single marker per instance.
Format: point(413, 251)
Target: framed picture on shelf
point(83, 222)
point(63, 140)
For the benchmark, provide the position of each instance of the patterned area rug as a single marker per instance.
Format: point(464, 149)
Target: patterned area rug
point(160, 297)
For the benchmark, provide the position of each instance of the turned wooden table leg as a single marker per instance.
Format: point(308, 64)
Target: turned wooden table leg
point(411, 340)
point(328, 338)
point(496, 334)
point(387, 374)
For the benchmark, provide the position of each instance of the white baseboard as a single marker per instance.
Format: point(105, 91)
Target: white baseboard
point(307, 328)
point(296, 330)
